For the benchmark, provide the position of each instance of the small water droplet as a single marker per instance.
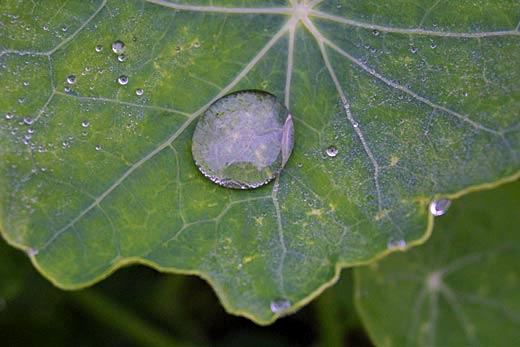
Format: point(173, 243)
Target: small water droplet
point(28, 120)
point(332, 151)
point(67, 89)
point(196, 45)
point(139, 91)
point(46, 28)
point(375, 32)
point(9, 116)
point(465, 94)
point(279, 306)
point(433, 46)
point(439, 207)
point(21, 100)
point(118, 47)
point(122, 80)
point(121, 57)
point(243, 140)
point(355, 124)
point(30, 131)
point(64, 28)
point(84, 133)
point(413, 50)
point(98, 48)
point(98, 147)
point(25, 83)
point(299, 165)
point(71, 79)
point(85, 124)
point(396, 244)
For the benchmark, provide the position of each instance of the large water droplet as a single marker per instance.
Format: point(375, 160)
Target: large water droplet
point(122, 80)
point(118, 47)
point(439, 207)
point(243, 140)
point(280, 305)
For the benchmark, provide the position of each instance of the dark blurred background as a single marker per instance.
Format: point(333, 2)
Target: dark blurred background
point(138, 306)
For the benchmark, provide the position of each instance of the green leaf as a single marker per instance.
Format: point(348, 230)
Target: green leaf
point(460, 289)
point(419, 100)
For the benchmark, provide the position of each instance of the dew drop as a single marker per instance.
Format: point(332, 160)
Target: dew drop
point(64, 28)
point(9, 116)
point(85, 124)
point(28, 120)
point(30, 131)
point(98, 147)
point(25, 83)
point(98, 48)
point(67, 89)
point(280, 305)
point(243, 140)
point(21, 100)
point(413, 50)
point(122, 80)
point(355, 124)
point(439, 207)
point(196, 45)
point(396, 244)
point(375, 32)
point(46, 28)
point(139, 91)
point(332, 151)
point(71, 79)
point(121, 57)
point(118, 47)
point(433, 46)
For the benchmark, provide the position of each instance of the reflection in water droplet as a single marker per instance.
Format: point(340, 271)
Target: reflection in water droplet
point(28, 120)
point(9, 116)
point(332, 151)
point(279, 306)
point(46, 28)
point(121, 57)
point(71, 79)
point(413, 50)
point(85, 124)
point(122, 80)
point(433, 46)
point(139, 91)
point(98, 148)
point(99, 48)
point(243, 140)
point(439, 207)
point(64, 28)
point(396, 244)
point(118, 47)
point(30, 131)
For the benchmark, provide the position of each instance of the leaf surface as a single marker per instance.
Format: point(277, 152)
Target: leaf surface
point(459, 289)
point(419, 99)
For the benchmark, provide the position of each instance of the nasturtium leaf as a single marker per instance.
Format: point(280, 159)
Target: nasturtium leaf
point(419, 99)
point(459, 289)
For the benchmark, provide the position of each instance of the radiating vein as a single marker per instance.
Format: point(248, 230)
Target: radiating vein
point(382, 28)
point(83, 25)
point(222, 9)
point(263, 51)
point(320, 40)
point(404, 89)
point(121, 102)
point(290, 63)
